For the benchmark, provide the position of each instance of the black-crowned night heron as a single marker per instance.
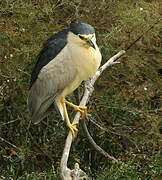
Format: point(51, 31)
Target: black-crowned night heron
point(67, 58)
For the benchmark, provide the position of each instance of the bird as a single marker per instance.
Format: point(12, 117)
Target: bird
point(67, 58)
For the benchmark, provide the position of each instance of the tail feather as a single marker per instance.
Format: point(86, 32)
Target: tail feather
point(41, 113)
point(38, 106)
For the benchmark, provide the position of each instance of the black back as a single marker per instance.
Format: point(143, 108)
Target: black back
point(50, 50)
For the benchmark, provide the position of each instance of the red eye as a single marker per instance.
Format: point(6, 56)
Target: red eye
point(81, 37)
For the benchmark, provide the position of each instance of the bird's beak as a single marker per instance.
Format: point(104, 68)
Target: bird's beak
point(89, 41)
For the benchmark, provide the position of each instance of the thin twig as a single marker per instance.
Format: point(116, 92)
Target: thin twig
point(108, 131)
point(7, 142)
point(140, 36)
point(9, 122)
point(93, 143)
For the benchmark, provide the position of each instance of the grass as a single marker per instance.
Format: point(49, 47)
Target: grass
point(132, 170)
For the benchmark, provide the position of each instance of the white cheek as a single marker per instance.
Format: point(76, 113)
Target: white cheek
point(94, 39)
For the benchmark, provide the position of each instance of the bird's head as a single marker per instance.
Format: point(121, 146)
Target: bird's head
point(82, 34)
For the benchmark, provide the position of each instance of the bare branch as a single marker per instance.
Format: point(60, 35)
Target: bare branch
point(66, 173)
point(96, 147)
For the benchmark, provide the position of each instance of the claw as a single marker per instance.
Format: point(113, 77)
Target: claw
point(73, 129)
point(82, 110)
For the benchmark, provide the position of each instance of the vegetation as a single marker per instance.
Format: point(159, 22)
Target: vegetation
point(127, 101)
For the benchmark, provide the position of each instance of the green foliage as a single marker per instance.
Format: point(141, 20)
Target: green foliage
point(119, 172)
point(132, 170)
point(127, 100)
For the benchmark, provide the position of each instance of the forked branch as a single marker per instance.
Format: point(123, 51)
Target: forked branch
point(77, 173)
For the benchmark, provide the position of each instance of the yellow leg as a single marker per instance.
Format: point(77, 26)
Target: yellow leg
point(72, 127)
point(81, 109)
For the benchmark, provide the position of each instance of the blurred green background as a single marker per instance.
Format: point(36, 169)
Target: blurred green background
point(127, 100)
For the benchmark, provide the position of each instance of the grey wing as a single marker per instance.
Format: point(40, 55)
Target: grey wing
point(51, 48)
point(51, 81)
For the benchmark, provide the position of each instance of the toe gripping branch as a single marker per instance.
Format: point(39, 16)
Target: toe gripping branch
point(81, 109)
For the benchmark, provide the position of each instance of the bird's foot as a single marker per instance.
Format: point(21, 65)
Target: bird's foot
point(73, 129)
point(82, 110)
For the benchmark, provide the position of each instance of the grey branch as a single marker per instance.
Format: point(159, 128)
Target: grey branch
point(95, 146)
point(66, 173)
